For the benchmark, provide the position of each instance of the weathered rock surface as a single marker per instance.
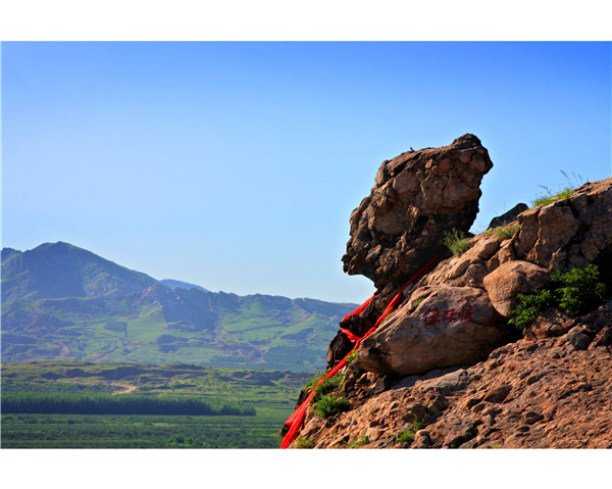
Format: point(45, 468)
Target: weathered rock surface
point(570, 233)
point(418, 196)
point(450, 326)
point(528, 394)
point(447, 356)
point(510, 279)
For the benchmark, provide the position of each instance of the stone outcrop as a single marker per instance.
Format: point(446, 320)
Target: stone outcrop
point(570, 233)
point(446, 357)
point(512, 278)
point(418, 197)
point(549, 393)
point(450, 326)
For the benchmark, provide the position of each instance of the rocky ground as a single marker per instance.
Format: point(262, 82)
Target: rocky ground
point(446, 369)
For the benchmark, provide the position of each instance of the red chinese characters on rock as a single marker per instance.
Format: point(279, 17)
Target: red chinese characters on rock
point(433, 315)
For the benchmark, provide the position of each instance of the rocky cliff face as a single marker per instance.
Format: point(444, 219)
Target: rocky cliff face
point(445, 368)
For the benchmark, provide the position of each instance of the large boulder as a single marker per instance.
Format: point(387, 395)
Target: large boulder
point(512, 278)
point(418, 197)
point(449, 326)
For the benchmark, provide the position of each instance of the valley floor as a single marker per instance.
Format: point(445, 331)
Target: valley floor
point(272, 394)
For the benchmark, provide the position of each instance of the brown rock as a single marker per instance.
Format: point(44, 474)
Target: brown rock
point(508, 217)
point(569, 408)
point(422, 439)
point(510, 279)
point(569, 233)
point(603, 338)
point(452, 326)
point(498, 394)
point(418, 197)
point(550, 324)
point(435, 359)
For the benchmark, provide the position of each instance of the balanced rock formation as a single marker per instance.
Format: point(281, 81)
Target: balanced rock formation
point(445, 369)
point(418, 197)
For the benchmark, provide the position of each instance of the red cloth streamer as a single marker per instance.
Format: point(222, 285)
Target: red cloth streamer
point(295, 420)
point(353, 338)
point(360, 309)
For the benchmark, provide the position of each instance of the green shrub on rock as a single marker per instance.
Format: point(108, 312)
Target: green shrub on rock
point(579, 290)
point(530, 306)
point(330, 405)
point(574, 292)
point(327, 386)
point(305, 443)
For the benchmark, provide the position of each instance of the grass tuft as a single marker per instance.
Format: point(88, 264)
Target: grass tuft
point(457, 242)
point(364, 440)
point(568, 191)
point(305, 443)
point(311, 384)
point(407, 436)
point(330, 405)
point(503, 232)
point(327, 386)
point(551, 197)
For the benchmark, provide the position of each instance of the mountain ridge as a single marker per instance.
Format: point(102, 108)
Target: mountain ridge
point(61, 301)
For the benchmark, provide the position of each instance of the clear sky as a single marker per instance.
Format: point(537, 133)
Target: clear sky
point(236, 166)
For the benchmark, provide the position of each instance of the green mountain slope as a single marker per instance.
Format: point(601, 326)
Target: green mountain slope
point(54, 270)
point(112, 314)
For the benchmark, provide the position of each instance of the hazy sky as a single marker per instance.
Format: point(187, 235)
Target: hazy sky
point(236, 166)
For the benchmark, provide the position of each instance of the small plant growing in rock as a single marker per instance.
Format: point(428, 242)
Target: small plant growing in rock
point(327, 386)
point(503, 232)
point(406, 436)
point(304, 443)
point(457, 242)
point(417, 302)
point(551, 197)
point(311, 384)
point(330, 405)
point(418, 424)
point(351, 357)
point(364, 440)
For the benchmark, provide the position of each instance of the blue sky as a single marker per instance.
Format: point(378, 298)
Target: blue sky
point(236, 166)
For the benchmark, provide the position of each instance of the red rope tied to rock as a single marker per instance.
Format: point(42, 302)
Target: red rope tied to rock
point(359, 310)
point(295, 420)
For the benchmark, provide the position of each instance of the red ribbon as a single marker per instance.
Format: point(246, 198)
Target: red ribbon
point(360, 309)
point(295, 420)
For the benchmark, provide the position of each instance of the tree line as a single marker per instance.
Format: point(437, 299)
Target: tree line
point(63, 403)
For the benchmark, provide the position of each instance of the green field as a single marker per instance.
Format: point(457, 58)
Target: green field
point(115, 431)
point(272, 394)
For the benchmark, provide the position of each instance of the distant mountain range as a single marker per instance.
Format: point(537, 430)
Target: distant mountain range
point(63, 302)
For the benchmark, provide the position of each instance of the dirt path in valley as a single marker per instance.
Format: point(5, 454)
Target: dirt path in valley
point(128, 388)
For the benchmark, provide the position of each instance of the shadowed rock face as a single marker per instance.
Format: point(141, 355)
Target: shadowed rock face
point(418, 197)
